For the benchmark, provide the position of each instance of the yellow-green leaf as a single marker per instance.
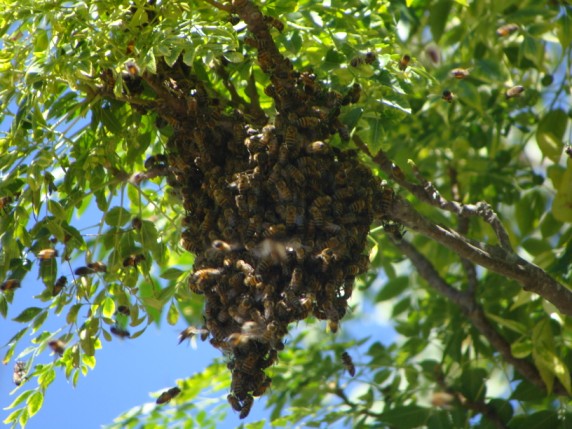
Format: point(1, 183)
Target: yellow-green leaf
point(34, 402)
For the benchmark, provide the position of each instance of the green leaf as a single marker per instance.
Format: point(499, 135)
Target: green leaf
point(21, 398)
point(562, 204)
point(472, 384)
point(392, 288)
point(521, 349)
point(117, 216)
point(406, 417)
point(510, 324)
point(171, 274)
point(550, 132)
point(46, 378)
point(172, 314)
point(564, 29)
point(34, 402)
point(438, 14)
point(27, 315)
point(540, 420)
point(108, 307)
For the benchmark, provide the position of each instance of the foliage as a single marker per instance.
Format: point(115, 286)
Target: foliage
point(69, 149)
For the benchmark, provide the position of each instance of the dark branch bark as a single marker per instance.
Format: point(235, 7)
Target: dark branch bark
point(475, 314)
point(494, 258)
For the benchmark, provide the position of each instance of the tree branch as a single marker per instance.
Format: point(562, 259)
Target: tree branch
point(474, 313)
point(494, 258)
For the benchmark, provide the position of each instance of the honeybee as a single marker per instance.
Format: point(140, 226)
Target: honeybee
point(156, 161)
point(46, 254)
point(568, 151)
point(274, 231)
point(353, 95)
point(191, 331)
point(59, 285)
point(133, 260)
point(291, 137)
point(222, 246)
point(515, 91)
point(317, 216)
point(348, 363)
point(284, 191)
point(404, 62)
point(132, 68)
point(290, 214)
point(506, 30)
point(460, 73)
point(448, 96)
point(395, 229)
point(234, 402)
point(293, 173)
point(262, 387)
point(245, 267)
point(308, 122)
point(136, 223)
point(84, 271)
point(98, 267)
point(333, 326)
point(167, 395)
point(387, 196)
point(246, 406)
point(57, 346)
point(357, 206)
point(120, 332)
point(10, 284)
point(317, 147)
point(279, 25)
point(322, 202)
point(19, 374)
point(370, 57)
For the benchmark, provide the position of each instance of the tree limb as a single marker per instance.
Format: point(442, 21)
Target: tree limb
point(474, 312)
point(494, 258)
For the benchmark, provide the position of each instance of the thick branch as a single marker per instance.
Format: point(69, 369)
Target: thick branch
point(494, 258)
point(474, 313)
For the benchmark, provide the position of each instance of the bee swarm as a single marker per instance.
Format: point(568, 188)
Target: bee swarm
point(278, 219)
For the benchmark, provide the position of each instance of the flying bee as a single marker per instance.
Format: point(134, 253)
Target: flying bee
point(348, 364)
point(10, 284)
point(357, 61)
point(333, 326)
point(191, 331)
point(136, 223)
point(98, 267)
point(506, 30)
point(460, 73)
point(133, 260)
point(59, 285)
point(246, 406)
point(4, 201)
point(568, 151)
point(404, 62)
point(276, 23)
point(84, 271)
point(57, 346)
point(120, 332)
point(308, 122)
point(46, 254)
point(316, 147)
point(370, 57)
point(448, 96)
point(132, 68)
point(513, 92)
point(19, 374)
point(167, 395)
point(353, 95)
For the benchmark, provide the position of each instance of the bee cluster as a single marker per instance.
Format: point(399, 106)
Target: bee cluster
point(277, 218)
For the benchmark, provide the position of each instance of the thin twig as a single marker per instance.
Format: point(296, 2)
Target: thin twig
point(226, 8)
point(338, 391)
